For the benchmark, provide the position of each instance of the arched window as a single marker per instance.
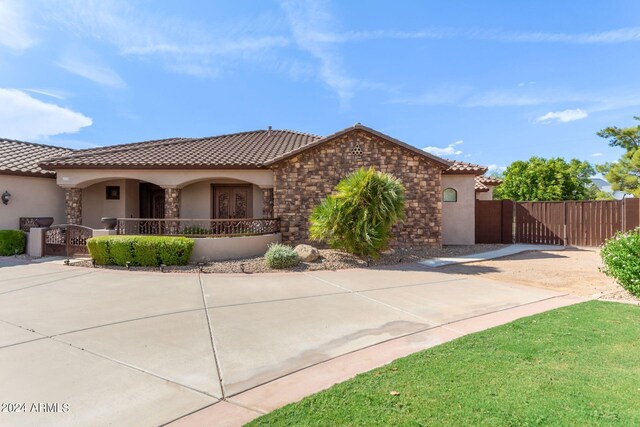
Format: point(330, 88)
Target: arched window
point(450, 195)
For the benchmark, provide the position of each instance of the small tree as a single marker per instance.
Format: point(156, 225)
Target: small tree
point(539, 179)
point(624, 175)
point(359, 216)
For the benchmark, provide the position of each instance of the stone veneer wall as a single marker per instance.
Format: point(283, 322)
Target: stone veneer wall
point(302, 181)
point(267, 202)
point(73, 208)
point(172, 203)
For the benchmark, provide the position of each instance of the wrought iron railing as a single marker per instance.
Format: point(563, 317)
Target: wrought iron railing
point(197, 227)
point(27, 223)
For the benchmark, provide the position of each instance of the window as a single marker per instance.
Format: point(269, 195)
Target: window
point(450, 195)
point(113, 192)
point(357, 150)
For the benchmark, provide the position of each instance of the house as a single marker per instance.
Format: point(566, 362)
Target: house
point(28, 189)
point(256, 177)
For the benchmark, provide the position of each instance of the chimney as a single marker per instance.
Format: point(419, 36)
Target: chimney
point(269, 131)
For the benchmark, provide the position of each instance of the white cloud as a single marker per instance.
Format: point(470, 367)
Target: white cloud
point(449, 150)
point(14, 26)
point(596, 155)
point(307, 21)
point(563, 116)
point(27, 118)
point(529, 83)
point(98, 74)
point(182, 46)
point(496, 168)
point(53, 93)
point(620, 35)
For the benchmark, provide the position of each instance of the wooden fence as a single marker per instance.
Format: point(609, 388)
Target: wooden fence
point(575, 223)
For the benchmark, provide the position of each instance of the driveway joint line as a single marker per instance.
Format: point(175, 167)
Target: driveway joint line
point(408, 334)
point(122, 321)
point(46, 283)
point(212, 307)
point(135, 368)
point(211, 337)
point(380, 302)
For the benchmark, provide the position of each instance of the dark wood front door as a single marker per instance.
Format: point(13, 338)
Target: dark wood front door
point(151, 201)
point(232, 201)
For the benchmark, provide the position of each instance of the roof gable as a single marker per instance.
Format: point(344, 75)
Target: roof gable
point(358, 127)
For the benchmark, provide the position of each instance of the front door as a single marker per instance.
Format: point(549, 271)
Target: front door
point(232, 201)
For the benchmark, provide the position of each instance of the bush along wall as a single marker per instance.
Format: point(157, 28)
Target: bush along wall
point(621, 258)
point(12, 242)
point(146, 251)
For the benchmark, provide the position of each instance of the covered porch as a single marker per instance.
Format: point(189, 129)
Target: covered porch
point(172, 202)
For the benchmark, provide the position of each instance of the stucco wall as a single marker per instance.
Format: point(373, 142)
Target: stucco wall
point(224, 248)
point(196, 199)
point(302, 181)
point(95, 204)
point(82, 178)
point(485, 195)
point(458, 218)
point(30, 197)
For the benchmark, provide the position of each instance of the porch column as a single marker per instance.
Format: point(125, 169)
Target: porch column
point(171, 202)
point(267, 202)
point(73, 209)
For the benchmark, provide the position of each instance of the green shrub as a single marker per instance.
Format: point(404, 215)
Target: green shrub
point(621, 257)
point(195, 230)
point(359, 216)
point(140, 250)
point(281, 256)
point(12, 242)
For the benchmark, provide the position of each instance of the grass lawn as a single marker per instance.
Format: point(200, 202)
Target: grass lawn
point(578, 365)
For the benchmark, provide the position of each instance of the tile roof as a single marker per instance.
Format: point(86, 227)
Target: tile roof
point(239, 150)
point(459, 167)
point(253, 149)
point(484, 182)
point(22, 158)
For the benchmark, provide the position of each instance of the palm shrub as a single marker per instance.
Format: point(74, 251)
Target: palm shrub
point(621, 258)
point(359, 216)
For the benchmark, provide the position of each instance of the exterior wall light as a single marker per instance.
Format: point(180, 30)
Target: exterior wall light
point(5, 197)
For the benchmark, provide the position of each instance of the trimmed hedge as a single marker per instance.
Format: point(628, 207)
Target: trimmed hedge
point(621, 258)
point(12, 242)
point(281, 256)
point(143, 251)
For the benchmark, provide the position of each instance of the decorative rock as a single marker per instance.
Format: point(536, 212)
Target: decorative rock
point(307, 253)
point(388, 251)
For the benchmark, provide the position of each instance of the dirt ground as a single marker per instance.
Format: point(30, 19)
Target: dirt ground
point(573, 270)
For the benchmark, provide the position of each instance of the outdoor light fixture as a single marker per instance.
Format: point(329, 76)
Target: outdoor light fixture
point(128, 264)
point(162, 266)
point(5, 197)
point(93, 262)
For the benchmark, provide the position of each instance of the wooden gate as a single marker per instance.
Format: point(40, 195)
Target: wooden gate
point(575, 223)
point(540, 223)
point(494, 220)
point(67, 240)
point(591, 223)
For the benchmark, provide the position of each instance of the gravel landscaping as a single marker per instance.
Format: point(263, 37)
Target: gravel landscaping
point(330, 259)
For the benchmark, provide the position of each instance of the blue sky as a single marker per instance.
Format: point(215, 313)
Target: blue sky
point(487, 82)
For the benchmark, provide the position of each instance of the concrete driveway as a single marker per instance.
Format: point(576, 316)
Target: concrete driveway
point(142, 349)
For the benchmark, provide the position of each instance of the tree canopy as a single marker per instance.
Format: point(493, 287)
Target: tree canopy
point(624, 175)
point(540, 179)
